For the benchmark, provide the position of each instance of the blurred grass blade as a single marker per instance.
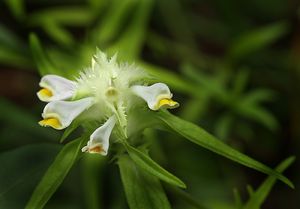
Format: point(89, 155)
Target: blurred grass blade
point(166, 76)
point(58, 33)
point(129, 45)
point(258, 114)
point(250, 190)
point(55, 174)
point(258, 95)
point(97, 5)
point(237, 198)
point(40, 58)
point(199, 136)
point(17, 7)
point(224, 125)
point(180, 28)
point(114, 18)
point(240, 82)
point(257, 40)
point(258, 197)
point(71, 16)
point(143, 191)
point(146, 163)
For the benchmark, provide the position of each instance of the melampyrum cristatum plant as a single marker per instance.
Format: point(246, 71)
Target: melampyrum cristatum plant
point(107, 93)
point(114, 103)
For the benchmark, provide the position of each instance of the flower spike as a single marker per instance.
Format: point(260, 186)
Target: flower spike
point(99, 140)
point(60, 114)
point(157, 96)
point(55, 88)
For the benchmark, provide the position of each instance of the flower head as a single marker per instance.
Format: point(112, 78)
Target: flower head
point(105, 90)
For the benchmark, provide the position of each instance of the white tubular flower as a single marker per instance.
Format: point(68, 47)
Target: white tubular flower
point(60, 114)
point(55, 88)
point(99, 140)
point(157, 95)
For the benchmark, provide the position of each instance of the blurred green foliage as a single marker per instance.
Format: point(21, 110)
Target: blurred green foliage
point(233, 65)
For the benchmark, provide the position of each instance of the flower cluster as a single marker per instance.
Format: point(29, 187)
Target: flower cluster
point(105, 92)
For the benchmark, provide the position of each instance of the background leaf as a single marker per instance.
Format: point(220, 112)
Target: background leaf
point(142, 189)
point(146, 163)
point(18, 177)
point(55, 174)
point(258, 197)
point(199, 136)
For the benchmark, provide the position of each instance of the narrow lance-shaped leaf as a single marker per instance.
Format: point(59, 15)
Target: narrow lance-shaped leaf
point(258, 39)
point(40, 58)
point(258, 197)
point(55, 174)
point(199, 136)
point(132, 38)
point(143, 191)
point(146, 163)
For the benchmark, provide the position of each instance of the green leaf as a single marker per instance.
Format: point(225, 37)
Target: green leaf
point(19, 174)
point(112, 22)
point(199, 136)
point(58, 33)
point(43, 63)
point(171, 78)
point(72, 16)
point(255, 40)
point(258, 114)
point(257, 96)
point(143, 191)
point(55, 174)
point(130, 43)
point(237, 198)
point(17, 8)
point(258, 197)
point(146, 163)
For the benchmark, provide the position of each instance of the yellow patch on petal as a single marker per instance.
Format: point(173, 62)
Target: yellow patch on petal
point(52, 122)
point(45, 92)
point(96, 149)
point(167, 103)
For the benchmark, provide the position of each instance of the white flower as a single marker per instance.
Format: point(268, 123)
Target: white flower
point(157, 96)
point(99, 140)
point(60, 114)
point(55, 88)
point(106, 89)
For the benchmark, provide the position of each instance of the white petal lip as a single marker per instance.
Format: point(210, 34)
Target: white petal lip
point(66, 111)
point(153, 94)
point(99, 140)
point(61, 88)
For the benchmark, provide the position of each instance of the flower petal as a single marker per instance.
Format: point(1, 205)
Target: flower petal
point(157, 95)
point(55, 88)
point(99, 140)
point(60, 114)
